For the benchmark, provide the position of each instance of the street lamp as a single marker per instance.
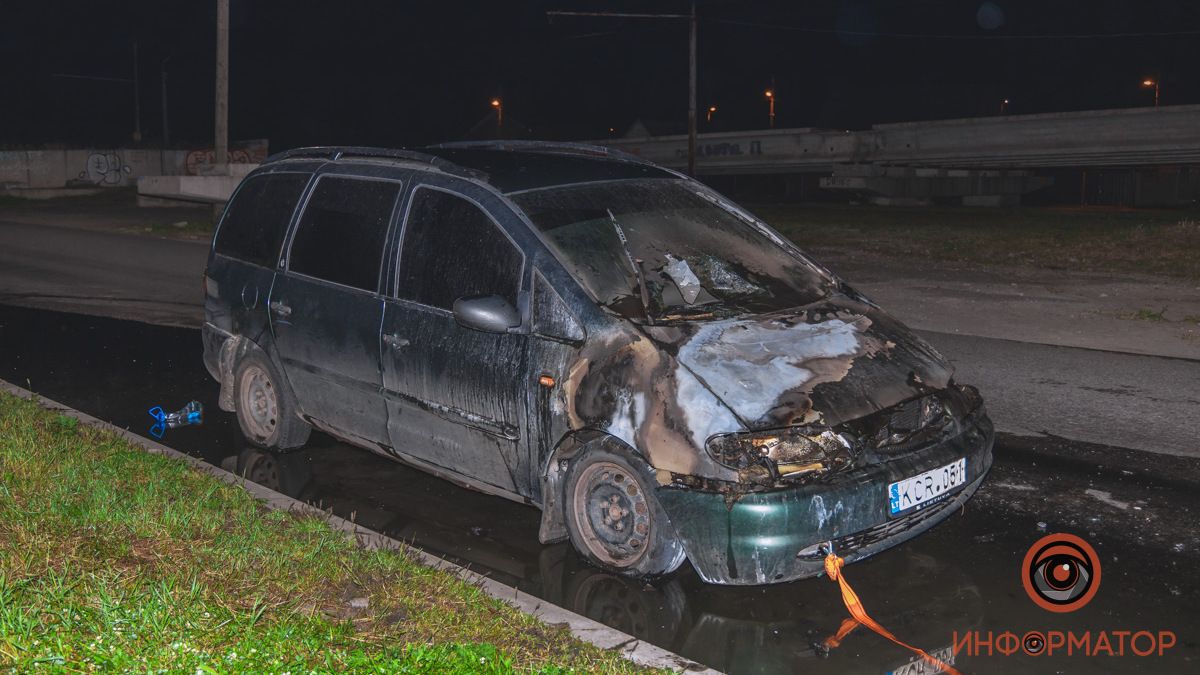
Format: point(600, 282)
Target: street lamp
point(1004, 107)
point(499, 106)
point(711, 109)
point(1152, 83)
point(770, 106)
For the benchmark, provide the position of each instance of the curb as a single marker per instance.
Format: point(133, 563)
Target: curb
point(604, 637)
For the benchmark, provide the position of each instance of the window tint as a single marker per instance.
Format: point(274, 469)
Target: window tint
point(452, 249)
point(340, 236)
point(256, 221)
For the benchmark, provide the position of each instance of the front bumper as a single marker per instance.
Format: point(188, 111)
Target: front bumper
point(759, 539)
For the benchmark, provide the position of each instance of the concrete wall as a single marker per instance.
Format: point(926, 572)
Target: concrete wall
point(111, 167)
point(1126, 137)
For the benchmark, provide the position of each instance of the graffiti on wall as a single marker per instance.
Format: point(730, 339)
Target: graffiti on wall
point(722, 150)
point(245, 152)
point(104, 168)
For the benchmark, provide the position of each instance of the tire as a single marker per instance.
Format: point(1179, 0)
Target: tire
point(266, 408)
point(614, 519)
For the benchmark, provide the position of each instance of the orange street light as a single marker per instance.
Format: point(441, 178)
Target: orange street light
point(1152, 83)
point(499, 113)
point(711, 109)
point(771, 106)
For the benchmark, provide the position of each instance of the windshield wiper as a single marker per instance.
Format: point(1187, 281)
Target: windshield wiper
point(635, 264)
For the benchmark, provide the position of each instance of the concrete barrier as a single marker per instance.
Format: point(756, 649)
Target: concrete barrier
point(208, 189)
point(1167, 135)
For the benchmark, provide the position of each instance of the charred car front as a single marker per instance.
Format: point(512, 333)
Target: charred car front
point(656, 369)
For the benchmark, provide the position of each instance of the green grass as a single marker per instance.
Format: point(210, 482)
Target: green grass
point(1163, 242)
point(114, 559)
point(1148, 315)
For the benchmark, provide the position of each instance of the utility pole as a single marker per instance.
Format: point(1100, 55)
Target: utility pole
point(691, 170)
point(166, 136)
point(137, 99)
point(499, 106)
point(691, 19)
point(221, 144)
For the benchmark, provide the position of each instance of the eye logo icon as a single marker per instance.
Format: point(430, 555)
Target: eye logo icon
point(1061, 573)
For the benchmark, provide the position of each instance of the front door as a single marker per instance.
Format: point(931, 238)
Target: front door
point(326, 308)
point(456, 396)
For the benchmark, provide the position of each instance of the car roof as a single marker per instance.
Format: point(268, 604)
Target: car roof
point(508, 166)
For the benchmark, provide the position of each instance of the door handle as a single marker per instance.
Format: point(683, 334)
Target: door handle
point(280, 308)
point(395, 341)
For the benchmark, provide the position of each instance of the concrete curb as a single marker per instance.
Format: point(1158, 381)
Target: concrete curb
point(641, 653)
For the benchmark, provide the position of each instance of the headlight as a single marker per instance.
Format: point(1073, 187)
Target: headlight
point(790, 452)
point(917, 421)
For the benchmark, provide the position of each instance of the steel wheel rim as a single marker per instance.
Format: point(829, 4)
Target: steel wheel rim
point(613, 514)
point(259, 402)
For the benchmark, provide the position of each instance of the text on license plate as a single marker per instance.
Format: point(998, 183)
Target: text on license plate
point(925, 488)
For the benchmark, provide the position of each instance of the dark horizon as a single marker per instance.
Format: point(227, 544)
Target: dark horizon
point(387, 74)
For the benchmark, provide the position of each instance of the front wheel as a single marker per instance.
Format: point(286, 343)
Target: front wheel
point(614, 519)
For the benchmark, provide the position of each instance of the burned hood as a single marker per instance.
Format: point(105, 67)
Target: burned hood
point(825, 364)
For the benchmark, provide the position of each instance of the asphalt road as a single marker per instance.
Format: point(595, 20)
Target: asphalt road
point(105, 273)
point(1133, 401)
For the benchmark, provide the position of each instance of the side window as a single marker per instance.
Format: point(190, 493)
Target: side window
point(452, 249)
point(257, 220)
point(340, 236)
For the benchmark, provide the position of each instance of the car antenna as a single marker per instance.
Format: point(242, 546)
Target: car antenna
point(636, 264)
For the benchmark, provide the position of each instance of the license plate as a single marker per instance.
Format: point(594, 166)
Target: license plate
point(926, 488)
point(919, 666)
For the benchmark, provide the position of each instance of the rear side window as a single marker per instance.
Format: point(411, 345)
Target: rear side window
point(257, 219)
point(453, 249)
point(340, 236)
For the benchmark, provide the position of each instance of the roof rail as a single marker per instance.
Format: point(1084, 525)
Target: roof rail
point(547, 147)
point(334, 153)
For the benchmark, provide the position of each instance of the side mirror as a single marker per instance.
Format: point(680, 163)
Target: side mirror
point(488, 313)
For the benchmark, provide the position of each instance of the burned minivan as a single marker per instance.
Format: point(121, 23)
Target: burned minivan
point(657, 370)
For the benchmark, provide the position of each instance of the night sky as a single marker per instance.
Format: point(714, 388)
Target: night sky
point(408, 73)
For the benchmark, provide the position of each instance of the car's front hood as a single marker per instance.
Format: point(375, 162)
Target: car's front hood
point(824, 364)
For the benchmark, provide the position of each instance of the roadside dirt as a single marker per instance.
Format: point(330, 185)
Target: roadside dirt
point(1123, 312)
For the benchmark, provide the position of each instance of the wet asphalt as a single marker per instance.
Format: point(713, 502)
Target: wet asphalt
point(1138, 510)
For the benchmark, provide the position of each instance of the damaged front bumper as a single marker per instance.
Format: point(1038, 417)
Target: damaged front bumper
point(775, 536)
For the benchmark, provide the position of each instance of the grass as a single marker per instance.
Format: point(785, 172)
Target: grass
point(114, 559)
point(1162, 242)
point(1145, 314)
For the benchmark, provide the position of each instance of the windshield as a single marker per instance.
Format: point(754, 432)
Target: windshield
point(658, 248)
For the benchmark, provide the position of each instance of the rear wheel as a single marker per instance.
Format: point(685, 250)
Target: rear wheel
point(614, 519)
point(266, 409)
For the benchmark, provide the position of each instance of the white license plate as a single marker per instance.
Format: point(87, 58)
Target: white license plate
point(926, 488)
point(919, 666)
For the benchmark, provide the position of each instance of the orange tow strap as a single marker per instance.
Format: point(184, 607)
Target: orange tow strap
point(833, 568)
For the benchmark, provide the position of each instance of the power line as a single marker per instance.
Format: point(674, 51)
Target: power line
point(949, 36)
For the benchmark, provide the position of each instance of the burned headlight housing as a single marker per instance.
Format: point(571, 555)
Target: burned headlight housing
point(919, 420)
point(781, 453)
